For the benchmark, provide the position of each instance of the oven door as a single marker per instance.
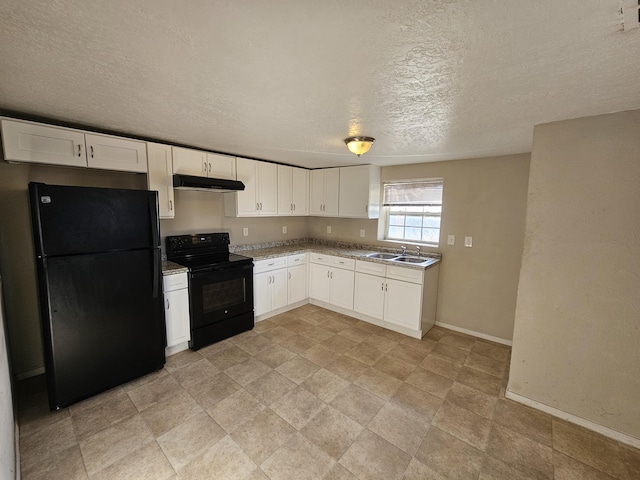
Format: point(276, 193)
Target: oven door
point(219, 294)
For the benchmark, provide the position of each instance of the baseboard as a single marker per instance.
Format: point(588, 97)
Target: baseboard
point(181, 347)
point(607, 432)
point(30, 373)
point(473, 333)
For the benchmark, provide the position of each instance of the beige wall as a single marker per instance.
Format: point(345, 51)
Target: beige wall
point(204, 212)
point(577, 326)
point(484, 198)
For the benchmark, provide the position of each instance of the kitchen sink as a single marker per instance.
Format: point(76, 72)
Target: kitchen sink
point(383, 256)
point(406, 259)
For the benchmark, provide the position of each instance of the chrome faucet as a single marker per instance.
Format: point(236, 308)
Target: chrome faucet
point(418, 251)
point(404, 250)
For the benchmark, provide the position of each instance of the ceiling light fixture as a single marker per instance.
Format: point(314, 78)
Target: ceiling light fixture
point(359, 145)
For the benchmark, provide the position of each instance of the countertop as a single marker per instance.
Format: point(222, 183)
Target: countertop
point(358, 252)
point(170, 268)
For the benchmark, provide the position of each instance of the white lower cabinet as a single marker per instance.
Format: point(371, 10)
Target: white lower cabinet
point(399, 298)
point(297, 278)
point(269, 285)
point(331, 280)
point(176, 310)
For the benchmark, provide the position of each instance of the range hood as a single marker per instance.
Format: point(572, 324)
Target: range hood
point(189, 182)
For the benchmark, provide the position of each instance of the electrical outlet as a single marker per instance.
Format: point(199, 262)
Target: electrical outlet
point(451, 239)
point(245, 232)
point(284, 229)
point(328, 228)
point(362, 233)
point(468, 241)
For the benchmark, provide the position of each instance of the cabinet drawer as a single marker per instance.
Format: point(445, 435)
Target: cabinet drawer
point(321, 258)
point(346, 263)
point(299, 259)
point(269, 264)
point(174, 282)
point(371, 267)
point(407, 274)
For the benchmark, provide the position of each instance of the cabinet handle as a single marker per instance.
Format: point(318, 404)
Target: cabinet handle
point(79, 150)
point(386, 287)
point(291, 207)
point(327, 273)
point(210, 167)
point(257, 206)
point(91, 147)
point(382, 286)
point(204, 167)
point(168, 304)
point(289, 275)
point(171, 205)
point(294, 207)
point(331, 274)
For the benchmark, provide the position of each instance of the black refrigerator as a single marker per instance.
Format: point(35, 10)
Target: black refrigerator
point(99, 279)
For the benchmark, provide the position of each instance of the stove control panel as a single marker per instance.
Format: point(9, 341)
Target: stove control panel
point(218, 241)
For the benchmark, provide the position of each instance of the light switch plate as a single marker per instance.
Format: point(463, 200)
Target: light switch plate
point(451, 239)
point(245, 232)
point(284, 229)
point(468, 241)
point(362, 233)
point(328, 228)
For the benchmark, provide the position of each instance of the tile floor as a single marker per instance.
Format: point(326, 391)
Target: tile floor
point(311, 394)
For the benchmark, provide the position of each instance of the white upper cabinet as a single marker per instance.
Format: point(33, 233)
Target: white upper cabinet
point(324, 191)
point(221, 166)
point(38, 143)
point(189, 162)
point(30, 142)
point(114, 153)
point(259, 197)
point(197, 163)
point(293, 191)
point(359, 192)
point(160, 177)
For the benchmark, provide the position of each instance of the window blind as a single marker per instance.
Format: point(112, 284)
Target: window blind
point(420, 193)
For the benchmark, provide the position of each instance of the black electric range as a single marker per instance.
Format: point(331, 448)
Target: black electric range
point(220, 286)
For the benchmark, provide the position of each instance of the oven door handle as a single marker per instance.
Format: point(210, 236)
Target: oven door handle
point(213, 269)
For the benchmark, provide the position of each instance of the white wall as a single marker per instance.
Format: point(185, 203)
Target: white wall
point(576, 344)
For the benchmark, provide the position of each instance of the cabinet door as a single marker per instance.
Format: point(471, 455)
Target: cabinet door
point(297, 283)
point(176, 309)
point(368, 295)
point(342, 288)
point(355, 191)
point(285, 200)
point(221, 166)
point(113, 153)
point(300, 191)
point(279, 288)
point(28, 142)
point(267, 188)
point(160, 177)
point(247, 200)
point(331, 191)
point(262, 293)
point(189, 162)
point(319, 282)
point(316, 192)
point(402, 304)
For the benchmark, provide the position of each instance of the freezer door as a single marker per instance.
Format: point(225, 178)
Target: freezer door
point(102, 323)
point(75, 220)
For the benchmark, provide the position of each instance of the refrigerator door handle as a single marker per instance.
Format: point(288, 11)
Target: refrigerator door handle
point(157, 262)
point(153, 218)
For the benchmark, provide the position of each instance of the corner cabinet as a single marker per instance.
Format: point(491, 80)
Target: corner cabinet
point(259, 197)
point(176, 311)
point(359, 192)
point(324, 192)
point(160, 177)
point(331, 280)
point(31, 142)
point(293, 191)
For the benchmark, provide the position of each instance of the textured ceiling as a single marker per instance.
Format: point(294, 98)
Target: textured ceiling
point(288, 80)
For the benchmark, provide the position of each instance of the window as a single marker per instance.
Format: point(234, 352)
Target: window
point(412, 211)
